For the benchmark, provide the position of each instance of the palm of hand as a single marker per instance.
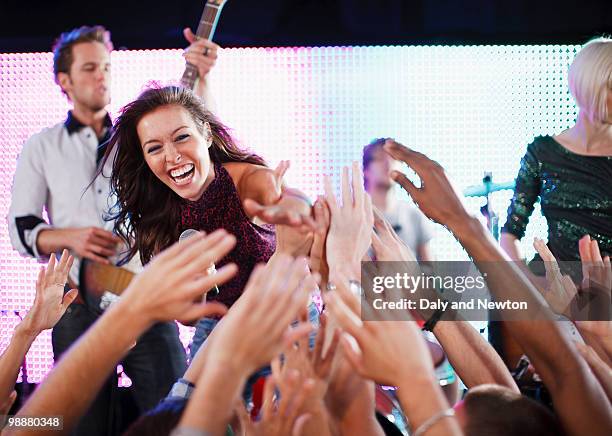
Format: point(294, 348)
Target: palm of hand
point(48, 307)
point(50, 303)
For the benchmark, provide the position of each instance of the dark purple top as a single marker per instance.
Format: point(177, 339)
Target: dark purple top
point(220, 207)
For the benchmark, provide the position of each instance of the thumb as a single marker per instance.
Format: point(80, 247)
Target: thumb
point(377, 244)
point(189, 36)
point(353, 356)
point(69, 298)
point(201, 310)
point(299, 424)
point(405, 183)
point(8, 403)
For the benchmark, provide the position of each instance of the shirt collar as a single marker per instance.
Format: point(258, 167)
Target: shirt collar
point(73, 125)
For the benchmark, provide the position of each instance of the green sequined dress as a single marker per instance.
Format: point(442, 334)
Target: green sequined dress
point(575, 194)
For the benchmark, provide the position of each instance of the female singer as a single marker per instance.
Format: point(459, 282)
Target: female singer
point(178, 168)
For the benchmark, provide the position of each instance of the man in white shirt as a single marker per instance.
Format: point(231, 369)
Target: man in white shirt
point(55, 171)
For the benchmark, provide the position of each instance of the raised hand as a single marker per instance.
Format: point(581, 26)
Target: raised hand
point(258, 326)
point(50, 303)
point(350, 229)
point(596, 276)
point(170, 286)
point(318, 257)
point(386, 244)
point(437, 198)
point(561, 289)
point(385, 351)
point(596, 271)
point(283, 418)
point(311, 364)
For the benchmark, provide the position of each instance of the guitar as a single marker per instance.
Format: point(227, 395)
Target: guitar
point(101, 284)
point(206, 30)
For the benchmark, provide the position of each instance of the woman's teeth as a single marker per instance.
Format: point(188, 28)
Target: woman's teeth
point(179, 172)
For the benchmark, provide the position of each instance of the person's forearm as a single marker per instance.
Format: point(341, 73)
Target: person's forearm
point(506, 282)
point(319, 422)
point(52, 240)
point(509, 243)
point(602, 346)
point(578, 397)
point(12, 358)
point(475, 361)
point(211, 405)
point(72, 385)
point(360, 415)
point(421, 398)
point(203, 91)
point(347, 269)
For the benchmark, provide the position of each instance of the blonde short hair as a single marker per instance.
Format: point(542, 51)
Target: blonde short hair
point(590, 78)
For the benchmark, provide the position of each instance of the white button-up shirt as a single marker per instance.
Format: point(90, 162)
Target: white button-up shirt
point(55, 172)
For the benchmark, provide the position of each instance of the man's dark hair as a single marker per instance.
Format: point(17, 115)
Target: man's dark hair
point(62, 48)
point(496, 410)
point(370, 149)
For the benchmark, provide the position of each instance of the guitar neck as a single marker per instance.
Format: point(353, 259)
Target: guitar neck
point(206, 29)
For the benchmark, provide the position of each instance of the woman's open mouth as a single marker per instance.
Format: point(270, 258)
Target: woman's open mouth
point(183, 174)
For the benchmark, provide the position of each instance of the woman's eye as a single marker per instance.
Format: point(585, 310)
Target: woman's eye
point(181, 137)
point(153, 149)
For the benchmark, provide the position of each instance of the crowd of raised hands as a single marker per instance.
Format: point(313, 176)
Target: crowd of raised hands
point(323, 377)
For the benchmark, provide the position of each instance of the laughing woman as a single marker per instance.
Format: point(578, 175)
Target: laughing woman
point(176, 167)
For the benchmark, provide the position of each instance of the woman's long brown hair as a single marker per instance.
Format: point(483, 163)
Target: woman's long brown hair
point(147, 213)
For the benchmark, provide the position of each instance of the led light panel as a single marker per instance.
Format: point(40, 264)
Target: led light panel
point(472, 108)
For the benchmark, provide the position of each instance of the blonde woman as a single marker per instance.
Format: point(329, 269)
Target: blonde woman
point(571, 172)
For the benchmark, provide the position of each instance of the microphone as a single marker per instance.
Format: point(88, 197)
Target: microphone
point(186, 234)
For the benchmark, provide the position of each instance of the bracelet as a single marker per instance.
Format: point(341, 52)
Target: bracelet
point(189, 431)
point(290, 193)
point(448, 413)
point(181, 389)
point(431, 322)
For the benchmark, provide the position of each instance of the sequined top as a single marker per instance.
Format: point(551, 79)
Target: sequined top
point(575, 193)
point(220, 207)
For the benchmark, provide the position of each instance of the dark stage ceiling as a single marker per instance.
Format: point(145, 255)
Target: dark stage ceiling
point(32, 25)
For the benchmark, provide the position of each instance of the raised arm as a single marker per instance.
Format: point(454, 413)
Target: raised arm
point(49, 305)
point(474, 359)
point(250, 336)
point(165, 290)
point(578, 397)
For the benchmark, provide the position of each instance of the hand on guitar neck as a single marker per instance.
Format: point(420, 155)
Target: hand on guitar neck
point(201, 57)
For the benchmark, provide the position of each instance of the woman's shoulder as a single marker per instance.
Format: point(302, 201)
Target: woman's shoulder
point(240, 171)
point(251, 180)
point(541, 142)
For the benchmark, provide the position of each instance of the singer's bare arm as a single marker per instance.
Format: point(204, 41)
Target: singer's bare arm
point(267, 199)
